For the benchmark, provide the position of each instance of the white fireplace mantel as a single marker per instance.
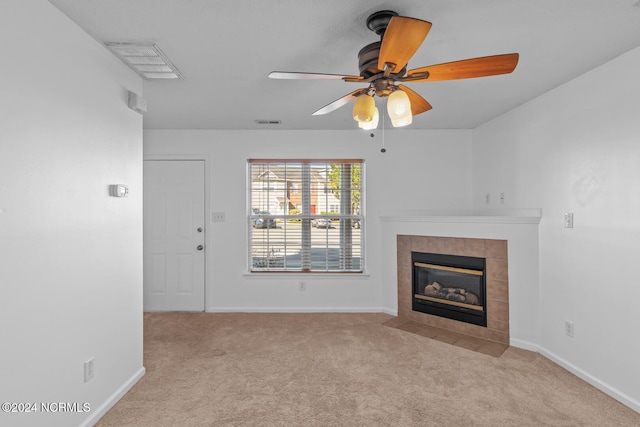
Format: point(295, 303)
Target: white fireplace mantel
point(495, 216)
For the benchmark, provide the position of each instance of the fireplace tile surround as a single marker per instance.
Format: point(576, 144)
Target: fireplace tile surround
point(497, 277)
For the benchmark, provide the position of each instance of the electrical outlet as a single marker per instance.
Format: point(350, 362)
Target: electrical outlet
point(302, 287)
point(88, 370)
point(568, 328)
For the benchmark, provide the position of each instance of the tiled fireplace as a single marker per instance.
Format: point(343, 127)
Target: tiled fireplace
point(497, 283)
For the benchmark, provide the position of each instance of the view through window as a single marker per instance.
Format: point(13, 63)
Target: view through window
point(306, 216)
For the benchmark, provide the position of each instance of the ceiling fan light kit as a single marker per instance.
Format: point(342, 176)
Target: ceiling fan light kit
point(399, 109)
point(383, 65)
point(373, 124)
point(364, 108)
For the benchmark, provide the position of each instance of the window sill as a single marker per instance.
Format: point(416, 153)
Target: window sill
point(274, 275)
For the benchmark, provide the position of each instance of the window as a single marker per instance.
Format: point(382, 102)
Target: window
point(309, 229)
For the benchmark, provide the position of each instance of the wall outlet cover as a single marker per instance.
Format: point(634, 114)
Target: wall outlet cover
point(88, 370)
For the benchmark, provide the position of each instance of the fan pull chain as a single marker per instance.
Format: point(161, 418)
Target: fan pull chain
point(372, 134)
point(383, 149)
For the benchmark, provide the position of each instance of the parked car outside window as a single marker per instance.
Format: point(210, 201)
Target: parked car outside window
point(321, 223)
point(264, 222)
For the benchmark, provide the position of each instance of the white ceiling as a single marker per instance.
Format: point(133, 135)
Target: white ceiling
point(226, 49)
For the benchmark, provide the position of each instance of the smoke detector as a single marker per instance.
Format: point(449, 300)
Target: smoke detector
point(145, 59)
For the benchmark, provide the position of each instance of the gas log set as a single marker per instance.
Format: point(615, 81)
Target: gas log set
point(436, 290)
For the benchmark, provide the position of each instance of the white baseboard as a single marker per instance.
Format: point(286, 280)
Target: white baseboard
point(113, 399)
point(296, 310)
point(393, 312)
point(600, 385)
point(525, 345)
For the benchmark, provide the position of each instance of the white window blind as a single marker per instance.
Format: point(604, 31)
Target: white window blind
point(306, 216)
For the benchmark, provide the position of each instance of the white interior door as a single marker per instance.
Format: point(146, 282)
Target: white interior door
point(174, 235)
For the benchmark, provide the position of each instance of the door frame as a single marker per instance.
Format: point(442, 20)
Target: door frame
point(208, 271)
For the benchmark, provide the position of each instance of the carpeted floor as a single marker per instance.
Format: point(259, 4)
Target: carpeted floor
point(238, 369)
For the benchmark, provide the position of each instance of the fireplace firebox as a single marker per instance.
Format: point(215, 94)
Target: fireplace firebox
point(450, 286)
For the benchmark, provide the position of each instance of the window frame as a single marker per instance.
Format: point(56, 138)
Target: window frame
point(347, 246)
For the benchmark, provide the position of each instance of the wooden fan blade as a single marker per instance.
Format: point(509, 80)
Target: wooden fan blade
point(340, 102)
point(466, 69)
point(401, 40)
point(310, 76)
point(418, 103)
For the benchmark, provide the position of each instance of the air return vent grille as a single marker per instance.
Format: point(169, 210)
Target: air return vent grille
point(268, 122)
point(146, 60)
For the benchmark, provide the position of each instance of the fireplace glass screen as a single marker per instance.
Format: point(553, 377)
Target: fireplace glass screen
point(449, 286)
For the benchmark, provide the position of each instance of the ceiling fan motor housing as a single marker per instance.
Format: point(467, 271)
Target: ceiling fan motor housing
point(368, 55)
point(368, 63)
point(368, 59)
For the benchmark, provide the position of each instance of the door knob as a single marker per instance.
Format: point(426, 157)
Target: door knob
point(199, 229)
point(200, 247)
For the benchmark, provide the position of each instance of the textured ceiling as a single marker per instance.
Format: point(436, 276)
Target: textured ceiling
point(225, 50)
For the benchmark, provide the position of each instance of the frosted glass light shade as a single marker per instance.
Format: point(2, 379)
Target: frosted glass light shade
point(399, 109)
point(364, 108)
point(373, 124)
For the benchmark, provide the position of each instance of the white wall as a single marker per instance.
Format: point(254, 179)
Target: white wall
point(70, 255)
point(577, 149)
point(408, 176)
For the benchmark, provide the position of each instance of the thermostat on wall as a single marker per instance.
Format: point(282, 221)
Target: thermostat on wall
point(119, 190)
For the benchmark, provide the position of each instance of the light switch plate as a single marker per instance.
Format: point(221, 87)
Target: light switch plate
point(568, 220)
point(118, 190)
point(217, 217)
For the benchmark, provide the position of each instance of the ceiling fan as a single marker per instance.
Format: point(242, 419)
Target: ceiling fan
point(383, 65)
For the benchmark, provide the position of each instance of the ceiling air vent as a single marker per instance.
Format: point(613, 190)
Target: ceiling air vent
point(146, 60)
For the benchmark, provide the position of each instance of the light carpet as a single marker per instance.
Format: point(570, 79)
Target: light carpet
point(241, 369)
